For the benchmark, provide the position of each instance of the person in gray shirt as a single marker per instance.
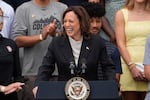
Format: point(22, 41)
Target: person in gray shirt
point(35, 23)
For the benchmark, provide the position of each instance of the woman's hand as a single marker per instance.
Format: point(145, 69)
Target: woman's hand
point(12, 87)
point(35, 91)
point(49, 29)
point(137, 74)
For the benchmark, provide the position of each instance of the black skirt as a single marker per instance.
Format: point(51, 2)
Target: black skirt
point(12, 96)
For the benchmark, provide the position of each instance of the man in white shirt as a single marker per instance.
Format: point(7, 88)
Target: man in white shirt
point(8, 18)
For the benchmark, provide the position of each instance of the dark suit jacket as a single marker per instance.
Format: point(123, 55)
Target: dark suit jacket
point(59, 51)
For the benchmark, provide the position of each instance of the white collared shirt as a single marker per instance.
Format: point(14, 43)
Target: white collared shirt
point(8, 13)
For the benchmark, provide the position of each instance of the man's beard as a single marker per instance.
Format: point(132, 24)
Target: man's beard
point(95, 30)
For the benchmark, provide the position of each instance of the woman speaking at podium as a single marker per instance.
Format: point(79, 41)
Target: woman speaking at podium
point(76, 52)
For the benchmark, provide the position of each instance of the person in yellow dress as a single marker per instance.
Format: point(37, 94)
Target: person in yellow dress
point(132, 26)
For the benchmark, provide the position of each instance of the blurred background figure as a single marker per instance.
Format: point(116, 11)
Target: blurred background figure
point(146, 63)
point(10, 70)
point(96, 11)
point(107, 32)
point(132, 26)
point(15, 3)
point(8, 19)
point(111, 7)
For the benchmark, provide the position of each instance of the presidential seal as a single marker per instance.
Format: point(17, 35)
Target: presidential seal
point(77, 88)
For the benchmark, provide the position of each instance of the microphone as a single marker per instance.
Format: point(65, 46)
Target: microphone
point(72, 67)
point(83, 65)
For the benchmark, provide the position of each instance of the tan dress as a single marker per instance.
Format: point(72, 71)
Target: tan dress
point(136, 34)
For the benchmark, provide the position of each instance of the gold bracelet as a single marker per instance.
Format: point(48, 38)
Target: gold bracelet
point(2, 89)
point(131, 66)
point(41, 38)
point(130, 63)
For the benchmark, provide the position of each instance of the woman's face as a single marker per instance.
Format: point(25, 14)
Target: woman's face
point(72, 25)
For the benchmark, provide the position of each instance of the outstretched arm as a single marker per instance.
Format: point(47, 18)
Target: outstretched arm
point(11, 88)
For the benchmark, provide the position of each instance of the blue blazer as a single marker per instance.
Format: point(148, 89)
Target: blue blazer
point(59, 52)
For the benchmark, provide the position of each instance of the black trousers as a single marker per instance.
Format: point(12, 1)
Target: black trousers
point(12, 96)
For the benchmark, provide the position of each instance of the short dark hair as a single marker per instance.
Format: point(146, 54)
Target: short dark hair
point(94, 9)
point(83, 19)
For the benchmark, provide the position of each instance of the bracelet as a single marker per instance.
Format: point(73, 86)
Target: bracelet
point(130, 63)
point(41, 38)
point(2, 89)
point(131, 66)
